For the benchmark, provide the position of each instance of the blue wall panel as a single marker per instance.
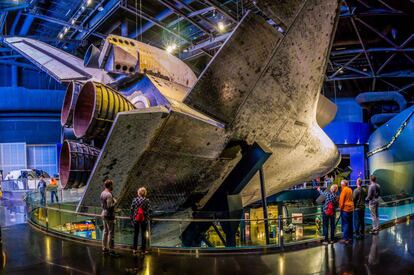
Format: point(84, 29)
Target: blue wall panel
point(348, 110)
point(348, 132)
point(30, 116)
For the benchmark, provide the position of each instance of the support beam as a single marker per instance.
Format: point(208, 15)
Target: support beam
point(147, 17)
point(351, 69)
point(395, 74)
point(160, 17)
point(346, 64)
point(264, 205)
point(385, 63)
point(26, 25)
point(208, 44)
point(406, 87)
point(15, 22)
point(93, 22)
point(371, 50)
point(375, 31)
point(3, 17)
point(183, 15)
point(16, 7)
point(362, 45)
point(56, 21)
point(218, 7)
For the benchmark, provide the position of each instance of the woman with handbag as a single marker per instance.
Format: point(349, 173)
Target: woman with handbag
point(140, 213)
point(328, 212)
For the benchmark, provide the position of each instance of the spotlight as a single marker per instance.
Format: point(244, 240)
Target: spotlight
point(171, 48)
point(60, 35)
point(89, 2)
point(83, 8)
point(65, 30)
point(73, 21)
point(221, 26)
point(100, 8)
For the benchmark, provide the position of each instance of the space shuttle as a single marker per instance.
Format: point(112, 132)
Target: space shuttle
point(143, 118)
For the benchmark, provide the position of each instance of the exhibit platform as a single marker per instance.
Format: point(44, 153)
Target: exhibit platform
point(293, 228)
point(27, 250)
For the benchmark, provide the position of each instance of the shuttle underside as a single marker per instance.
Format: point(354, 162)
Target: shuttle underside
point(181, 137)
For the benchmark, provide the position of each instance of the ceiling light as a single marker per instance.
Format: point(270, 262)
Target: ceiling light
point(169, 49)
point(89, 2)
point(221, 26)
point(73, 21)
point(100, 8)
point(65, 30)
point(83, 8)
point(60, 35)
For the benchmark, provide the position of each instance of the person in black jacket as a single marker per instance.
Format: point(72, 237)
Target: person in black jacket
point(359, 213)
point(140, 205)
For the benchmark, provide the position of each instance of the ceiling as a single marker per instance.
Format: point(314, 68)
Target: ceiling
point(373, 48)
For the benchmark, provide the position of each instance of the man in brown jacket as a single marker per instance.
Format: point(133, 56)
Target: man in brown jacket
point(346, 206)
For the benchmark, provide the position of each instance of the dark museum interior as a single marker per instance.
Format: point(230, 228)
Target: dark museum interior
point(206, 136)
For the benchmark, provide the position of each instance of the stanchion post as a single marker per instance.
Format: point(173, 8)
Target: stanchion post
point(280, 226)
point(264, 204)
point(395, 212)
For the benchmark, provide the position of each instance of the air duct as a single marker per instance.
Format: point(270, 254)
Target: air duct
point(76, 163)
point(368, 98)
point(96, 109)
point(71, 96)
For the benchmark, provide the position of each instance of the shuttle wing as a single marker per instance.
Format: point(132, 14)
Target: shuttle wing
point(61, 65)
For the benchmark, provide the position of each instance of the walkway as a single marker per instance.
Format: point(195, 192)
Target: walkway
point(28, 251)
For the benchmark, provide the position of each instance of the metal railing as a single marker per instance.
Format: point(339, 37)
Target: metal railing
point(169, 232)
point(20, 184)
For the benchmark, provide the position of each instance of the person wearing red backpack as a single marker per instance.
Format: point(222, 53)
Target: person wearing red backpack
point(139, 215)
point(328, 212)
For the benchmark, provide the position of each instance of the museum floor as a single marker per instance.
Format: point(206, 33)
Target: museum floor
point(28, 251)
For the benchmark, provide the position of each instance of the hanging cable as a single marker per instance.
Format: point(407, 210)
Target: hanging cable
point(136, 18)
point(140, 17)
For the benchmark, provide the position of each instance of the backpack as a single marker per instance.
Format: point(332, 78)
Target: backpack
point(139, 215)
point(330, 209)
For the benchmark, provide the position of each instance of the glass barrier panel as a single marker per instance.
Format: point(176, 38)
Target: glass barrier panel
point(300, 224)
point(124, 232)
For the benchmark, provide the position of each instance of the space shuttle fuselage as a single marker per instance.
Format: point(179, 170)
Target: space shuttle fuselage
point(155, 124)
